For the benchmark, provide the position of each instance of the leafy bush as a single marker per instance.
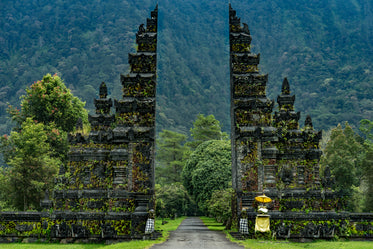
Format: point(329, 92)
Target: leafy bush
point(219, 206)
point(173, 200)
point(208, 169)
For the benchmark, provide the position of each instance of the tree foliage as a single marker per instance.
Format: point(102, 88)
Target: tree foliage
point(38, 144)
point(169, 156)
point(50, 101)
point(219, 205)
point(173, 200)
point(208, 169)
point(31, 168)
point(344, 155)
point(366, 127)
point(205, 128)
point(368, 177)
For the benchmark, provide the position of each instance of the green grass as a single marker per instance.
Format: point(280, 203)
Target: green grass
point(212, 224)
point(280, 244)
point(50, 246)
point(136, 244)
point(260, 244)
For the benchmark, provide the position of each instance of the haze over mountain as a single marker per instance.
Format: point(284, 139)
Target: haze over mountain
point(323, 47)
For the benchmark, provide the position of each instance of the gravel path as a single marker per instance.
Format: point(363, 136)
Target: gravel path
point(192, 233)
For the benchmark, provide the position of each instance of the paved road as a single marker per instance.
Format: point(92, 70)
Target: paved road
point(192, 233)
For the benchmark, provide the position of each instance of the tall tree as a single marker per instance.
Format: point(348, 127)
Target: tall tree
point(366, 127)
point(368, 177)
point(38, 143)
point(343, 155)
point(50, 101)
point(205, 129)
point(31, 168)
point(169, 156)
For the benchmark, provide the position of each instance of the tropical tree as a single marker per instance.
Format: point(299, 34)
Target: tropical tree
point(38, 143)
point(205, 129)
point(50, 101)
point(344, 154)
point(169, 156)
point(31, 167)
point(5, 202)
point(366, 127)
point(368, 177)
point(208, 169)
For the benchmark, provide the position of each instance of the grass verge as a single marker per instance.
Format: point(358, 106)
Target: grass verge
point(212, 224)
point(135, 244)
point(282, 244)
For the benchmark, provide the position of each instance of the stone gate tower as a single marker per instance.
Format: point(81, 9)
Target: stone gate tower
point(270, 153)
point(108, 184)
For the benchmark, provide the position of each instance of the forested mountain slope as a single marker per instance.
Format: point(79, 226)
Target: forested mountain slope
point(323, 47)
point(84, 41)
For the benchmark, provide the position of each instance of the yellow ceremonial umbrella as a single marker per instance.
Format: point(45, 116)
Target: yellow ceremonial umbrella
point(263, 199)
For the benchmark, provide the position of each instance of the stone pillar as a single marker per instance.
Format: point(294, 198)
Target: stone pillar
point(139, 217)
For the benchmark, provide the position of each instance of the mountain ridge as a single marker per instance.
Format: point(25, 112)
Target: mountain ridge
point(322, 47)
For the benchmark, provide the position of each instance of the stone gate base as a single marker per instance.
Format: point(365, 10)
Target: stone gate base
point(85, 227)
point(302, 226)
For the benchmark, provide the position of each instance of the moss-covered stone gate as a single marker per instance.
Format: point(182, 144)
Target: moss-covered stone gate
point(107, 188)
point(272, 155)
